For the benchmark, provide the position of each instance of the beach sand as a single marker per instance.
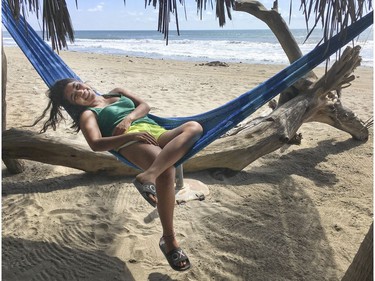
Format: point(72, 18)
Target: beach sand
point(296, 214)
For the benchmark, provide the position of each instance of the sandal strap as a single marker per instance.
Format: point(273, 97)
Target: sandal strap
point(176, 256)
point(149, 188)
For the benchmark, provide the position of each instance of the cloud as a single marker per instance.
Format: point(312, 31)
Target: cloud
point(97, 8)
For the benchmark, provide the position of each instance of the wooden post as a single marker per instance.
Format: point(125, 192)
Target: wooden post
point(179, 177)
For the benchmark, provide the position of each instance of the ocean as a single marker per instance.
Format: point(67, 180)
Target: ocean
point(245, 46)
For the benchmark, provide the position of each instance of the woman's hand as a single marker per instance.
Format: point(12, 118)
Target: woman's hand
point(143, 137)
point(122, 127)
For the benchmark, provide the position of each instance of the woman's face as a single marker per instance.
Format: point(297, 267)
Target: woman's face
point(79, 93)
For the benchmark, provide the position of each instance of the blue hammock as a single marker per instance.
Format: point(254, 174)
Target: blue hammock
point(215, 122)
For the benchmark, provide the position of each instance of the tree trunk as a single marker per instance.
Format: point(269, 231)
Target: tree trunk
point(14, 166)
point(275, 22)
point(4, 71)
point(361, 269)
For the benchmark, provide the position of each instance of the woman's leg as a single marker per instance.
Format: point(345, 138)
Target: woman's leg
point(166, 201)
point(143, 155)
point(174, 143)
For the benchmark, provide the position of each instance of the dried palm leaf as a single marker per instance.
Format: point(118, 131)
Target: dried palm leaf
point(168, 7)
point(57, 24)
point(56, 19)
point(333, 15)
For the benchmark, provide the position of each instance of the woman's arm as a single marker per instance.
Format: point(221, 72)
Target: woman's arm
point(90, 129)
point(141, 107)
point(141, 110)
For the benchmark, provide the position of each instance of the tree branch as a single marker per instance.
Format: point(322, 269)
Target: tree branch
point(275, 22)
point(286, 39)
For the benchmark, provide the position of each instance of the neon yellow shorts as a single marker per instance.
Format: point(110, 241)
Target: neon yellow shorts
point(155, 130)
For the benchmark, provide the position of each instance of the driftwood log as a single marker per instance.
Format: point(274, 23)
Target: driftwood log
point(22, 144)
point(361, 268)
point(233, 152)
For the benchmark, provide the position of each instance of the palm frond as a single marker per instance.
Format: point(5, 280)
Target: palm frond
point(19, 7)
point(333, 15)
point(57, 25)
point(169, 7)
point(369, 123)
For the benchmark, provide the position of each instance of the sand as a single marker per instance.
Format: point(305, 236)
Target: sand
point(296, 214)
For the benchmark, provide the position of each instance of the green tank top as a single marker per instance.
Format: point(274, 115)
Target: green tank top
point(111, 115)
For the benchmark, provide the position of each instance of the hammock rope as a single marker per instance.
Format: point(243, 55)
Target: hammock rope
point(215, 122)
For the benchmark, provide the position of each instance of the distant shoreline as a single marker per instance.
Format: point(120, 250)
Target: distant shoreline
point(230, 46)
point(176, 60)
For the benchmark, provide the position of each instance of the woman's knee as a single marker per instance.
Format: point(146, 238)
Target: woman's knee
point(194, 128)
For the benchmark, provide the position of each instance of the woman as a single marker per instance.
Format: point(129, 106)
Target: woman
point(118, 121)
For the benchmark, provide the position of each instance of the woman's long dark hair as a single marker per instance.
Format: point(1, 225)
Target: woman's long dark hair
point(55, 106)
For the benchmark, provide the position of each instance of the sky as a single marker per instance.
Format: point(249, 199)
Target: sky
point(115, 15)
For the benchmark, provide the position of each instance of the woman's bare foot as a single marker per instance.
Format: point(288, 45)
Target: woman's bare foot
point(145, 178)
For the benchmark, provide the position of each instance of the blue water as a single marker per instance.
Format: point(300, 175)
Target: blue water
point(246, 46)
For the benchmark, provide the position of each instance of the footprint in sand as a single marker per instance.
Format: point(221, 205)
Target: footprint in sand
point(67, 215)
point(101, 234)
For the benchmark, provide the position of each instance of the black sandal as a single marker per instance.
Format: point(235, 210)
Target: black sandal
point(175, 256)
point(145, 190)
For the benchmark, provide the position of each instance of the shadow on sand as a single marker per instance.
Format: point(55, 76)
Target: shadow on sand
point(276, 235)
point(33, 260)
